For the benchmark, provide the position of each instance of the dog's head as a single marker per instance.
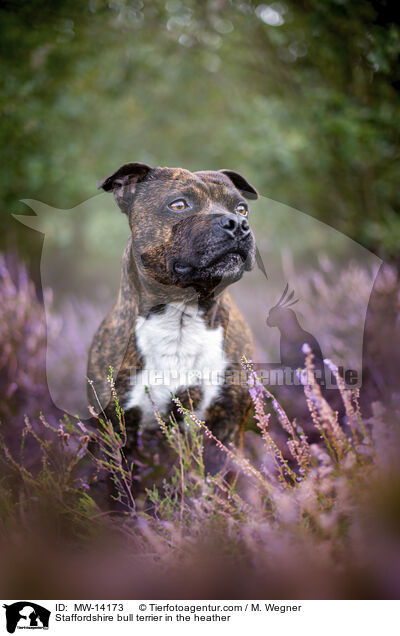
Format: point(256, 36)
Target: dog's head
point(189, 229)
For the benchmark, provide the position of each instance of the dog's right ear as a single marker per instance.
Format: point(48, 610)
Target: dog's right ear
point(123, 182)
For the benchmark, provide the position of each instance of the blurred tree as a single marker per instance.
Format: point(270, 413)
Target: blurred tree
point(302, 96)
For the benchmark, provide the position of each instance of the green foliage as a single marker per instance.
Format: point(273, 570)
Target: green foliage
point(111, 442)
point(300, 96)
point(51, 496)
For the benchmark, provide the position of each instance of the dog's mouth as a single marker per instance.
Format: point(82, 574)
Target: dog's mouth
point(230, 258)
point(205, 261)
point(224, 261)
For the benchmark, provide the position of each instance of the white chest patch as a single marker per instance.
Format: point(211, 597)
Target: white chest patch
point(179, 351)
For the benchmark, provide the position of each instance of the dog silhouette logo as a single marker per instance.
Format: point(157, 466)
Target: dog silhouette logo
point(80, 271)
point(26, 615)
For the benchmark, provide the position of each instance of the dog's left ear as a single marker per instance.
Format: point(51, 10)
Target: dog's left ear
point(241, 184)
point(123, 182)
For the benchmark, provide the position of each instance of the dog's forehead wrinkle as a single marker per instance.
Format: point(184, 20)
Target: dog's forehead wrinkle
point(173, 174)
point(200, 179)
point(222, 188)
point(208, 186)
point(166, 179)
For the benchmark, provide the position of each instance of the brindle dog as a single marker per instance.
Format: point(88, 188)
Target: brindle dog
point(174, 326)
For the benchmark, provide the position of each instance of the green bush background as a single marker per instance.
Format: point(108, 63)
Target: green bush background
point(301, 96)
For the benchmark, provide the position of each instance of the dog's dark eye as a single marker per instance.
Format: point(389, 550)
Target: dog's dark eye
point(178, 205)
point(242, 209)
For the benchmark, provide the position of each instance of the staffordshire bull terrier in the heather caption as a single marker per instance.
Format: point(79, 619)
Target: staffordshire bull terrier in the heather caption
point(174, 327)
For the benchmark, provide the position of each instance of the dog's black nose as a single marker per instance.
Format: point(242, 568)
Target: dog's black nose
point(234, 226)
point(244, 226)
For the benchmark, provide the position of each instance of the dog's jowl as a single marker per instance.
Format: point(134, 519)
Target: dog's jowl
point(174, 327)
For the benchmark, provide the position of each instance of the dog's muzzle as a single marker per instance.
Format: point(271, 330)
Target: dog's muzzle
point(225, 248)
